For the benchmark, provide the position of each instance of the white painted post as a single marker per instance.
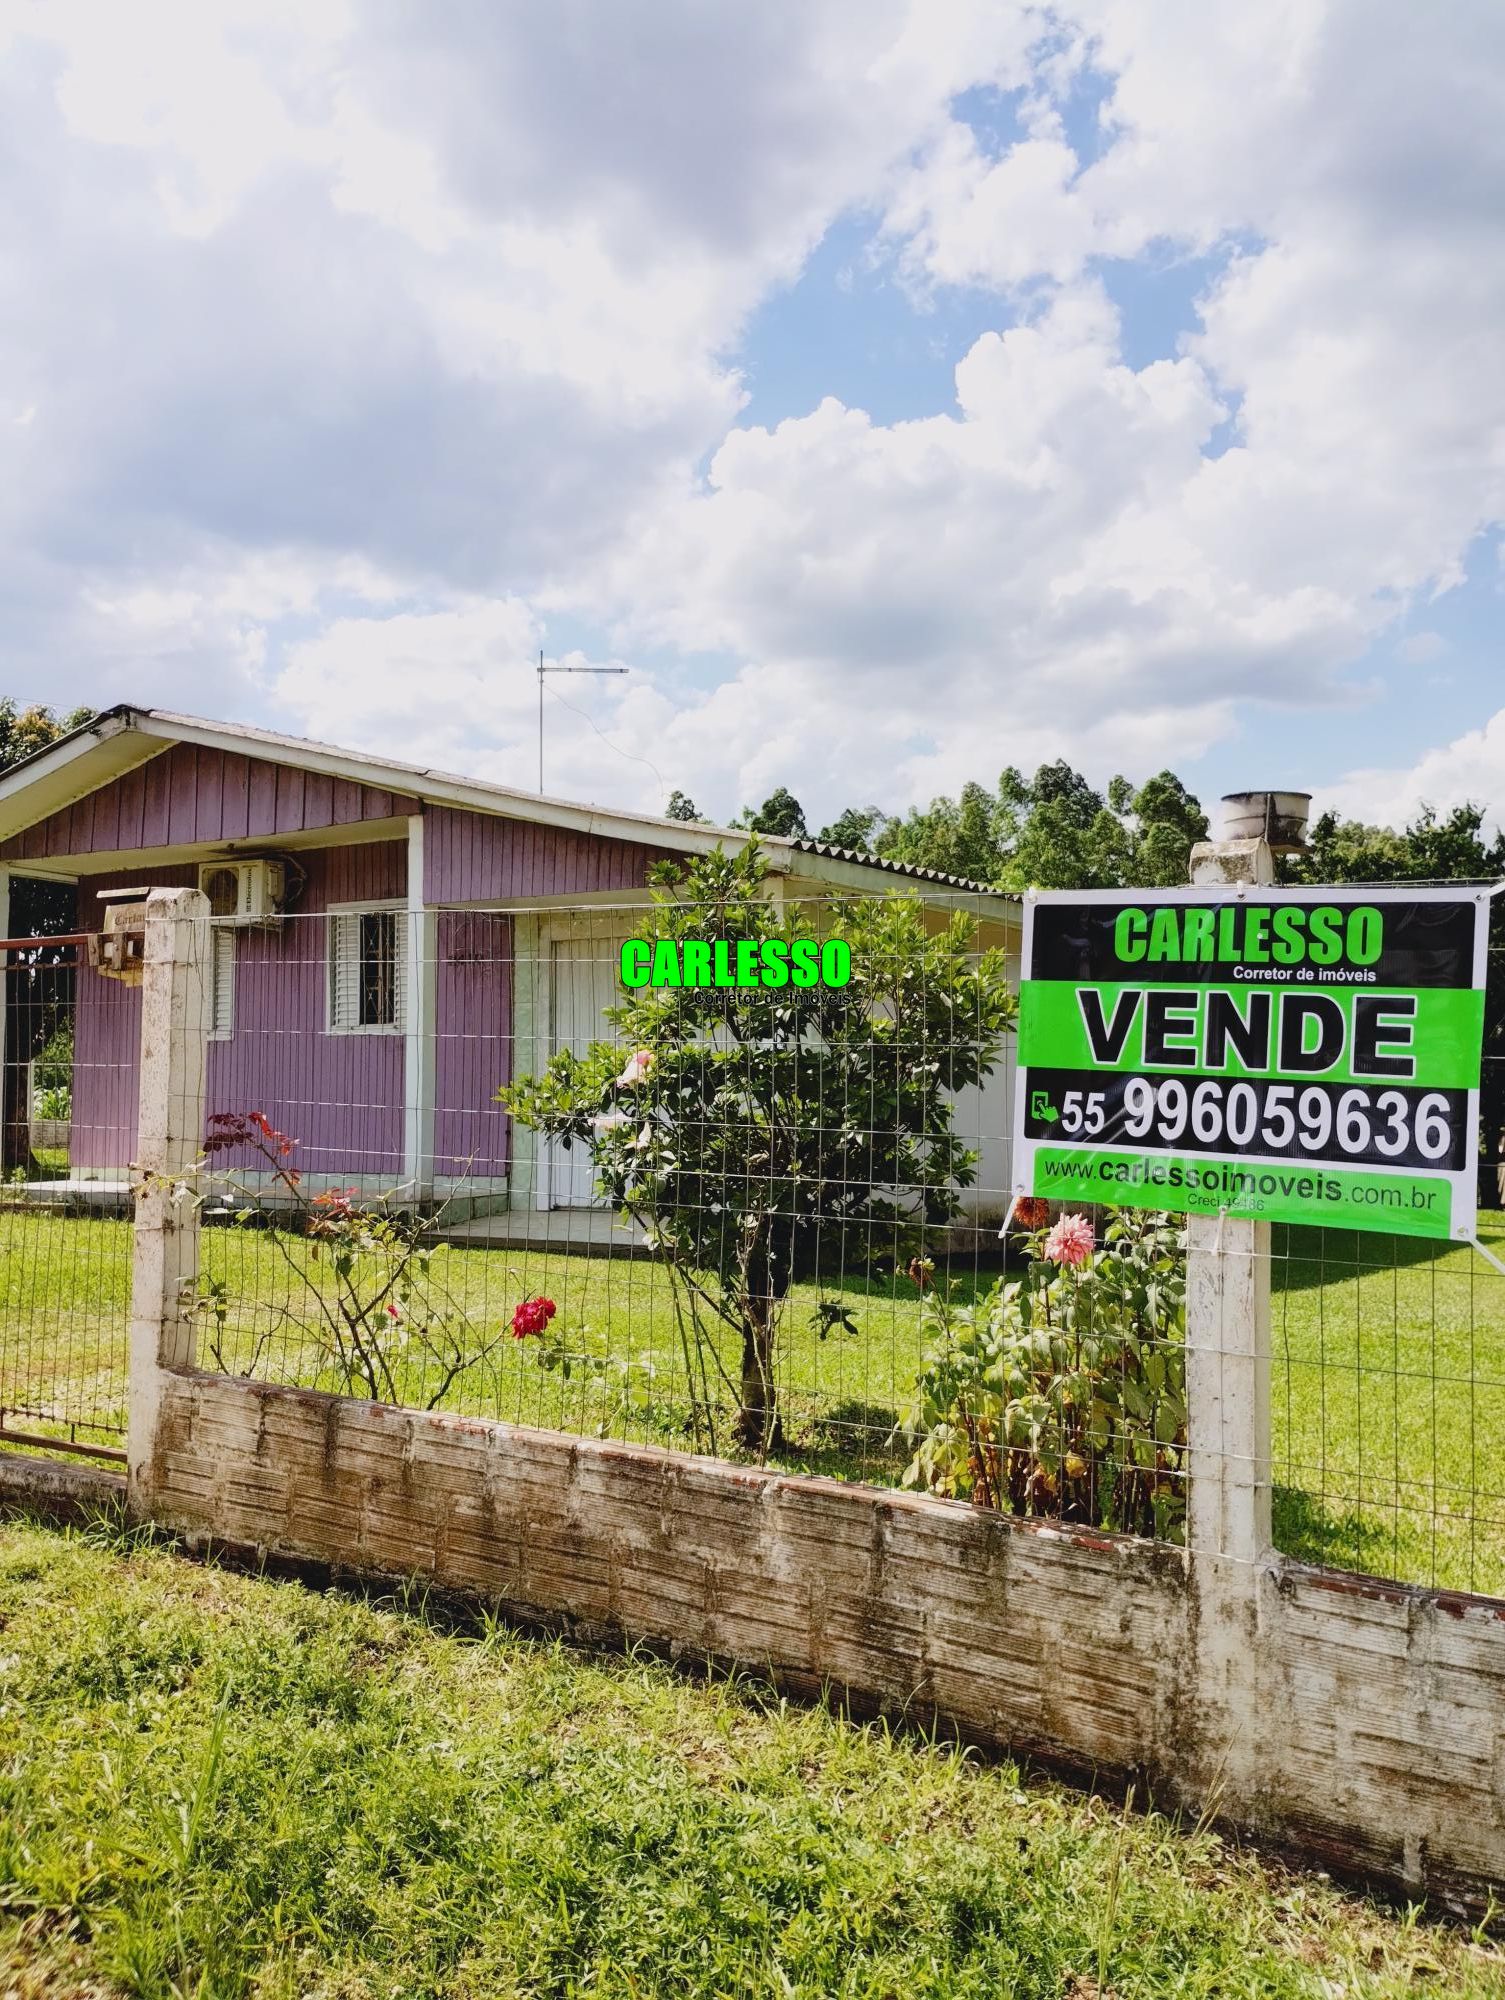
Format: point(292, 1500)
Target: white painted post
point(1228, 1327)
point(420, 1054)
point(176, 1016)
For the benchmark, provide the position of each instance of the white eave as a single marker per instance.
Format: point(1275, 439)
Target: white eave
point(53, 779)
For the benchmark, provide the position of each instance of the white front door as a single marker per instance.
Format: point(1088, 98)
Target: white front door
point(583, 983)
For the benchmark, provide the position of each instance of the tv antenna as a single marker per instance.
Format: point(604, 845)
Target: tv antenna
point(557, 669)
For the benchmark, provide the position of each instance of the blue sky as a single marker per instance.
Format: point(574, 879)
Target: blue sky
point(849, 327)
point(899, 391)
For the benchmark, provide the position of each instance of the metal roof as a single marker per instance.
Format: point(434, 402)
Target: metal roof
point(166, 725)
point(802, 844)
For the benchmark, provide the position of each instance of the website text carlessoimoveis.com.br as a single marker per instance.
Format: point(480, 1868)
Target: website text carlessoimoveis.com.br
point(1243, 1183)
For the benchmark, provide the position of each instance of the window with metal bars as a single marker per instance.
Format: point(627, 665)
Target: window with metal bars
point(367, 983)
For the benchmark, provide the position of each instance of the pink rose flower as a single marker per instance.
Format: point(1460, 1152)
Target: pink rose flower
point(1070, 1242)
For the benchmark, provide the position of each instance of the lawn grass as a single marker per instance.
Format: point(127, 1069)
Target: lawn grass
point(1388, 1380)
point(1388, 1405)
point(224, 1786)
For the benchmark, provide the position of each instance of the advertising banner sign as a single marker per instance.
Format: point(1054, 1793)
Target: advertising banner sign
point(1292, 1055)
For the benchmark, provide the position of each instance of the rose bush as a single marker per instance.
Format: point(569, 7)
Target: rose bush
point(370, 1293)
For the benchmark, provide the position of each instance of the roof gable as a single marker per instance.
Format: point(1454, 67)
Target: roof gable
point(186, 796)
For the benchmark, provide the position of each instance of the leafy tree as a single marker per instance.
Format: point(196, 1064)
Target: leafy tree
point(682, 806)
point(1065, 834)
point(855, 828)
point(1450, 848)
point(24, 731)
point(1054, 831)
point(39, 989)
point(1165, 822)
point(752, 1125)
point(961, 836)
point(781, 812)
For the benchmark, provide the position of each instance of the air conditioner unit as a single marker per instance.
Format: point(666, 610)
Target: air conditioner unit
point(244, 892)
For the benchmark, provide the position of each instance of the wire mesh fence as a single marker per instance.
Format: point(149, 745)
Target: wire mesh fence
point(65, 1240)
point(1388, 1390)
point(1388, 1405)
point(451, 1161)
point(798, 1170)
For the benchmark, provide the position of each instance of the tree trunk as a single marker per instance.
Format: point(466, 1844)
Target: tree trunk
point(758, 1424)
point(764, 1282)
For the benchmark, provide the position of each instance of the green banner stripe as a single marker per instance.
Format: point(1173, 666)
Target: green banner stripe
point(1447, 1033)
point(1402, 1204)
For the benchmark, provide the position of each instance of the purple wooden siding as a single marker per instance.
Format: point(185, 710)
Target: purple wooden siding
point(188, 795)
point(107, 1037)
point(473, 857)
point(474, 1052)
point(340, 1096)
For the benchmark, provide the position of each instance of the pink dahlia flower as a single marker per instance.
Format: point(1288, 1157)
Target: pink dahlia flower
point(1070, 1242)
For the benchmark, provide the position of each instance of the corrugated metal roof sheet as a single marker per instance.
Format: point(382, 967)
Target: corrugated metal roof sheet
point(804, 845)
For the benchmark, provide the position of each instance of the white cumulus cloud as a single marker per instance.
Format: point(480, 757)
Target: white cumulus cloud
point(343, 350)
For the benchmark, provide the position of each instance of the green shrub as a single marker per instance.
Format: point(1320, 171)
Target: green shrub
point(752, 1123)
point(1064, 1394)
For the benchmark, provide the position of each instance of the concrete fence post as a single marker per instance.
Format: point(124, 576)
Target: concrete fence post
point(1228, 1327)
point(1228, 1435)
point(176, 1015)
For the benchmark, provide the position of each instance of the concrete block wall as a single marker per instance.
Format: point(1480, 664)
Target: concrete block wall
point(1365, 1726)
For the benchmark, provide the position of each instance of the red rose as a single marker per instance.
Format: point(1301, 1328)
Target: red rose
point(532, 1316)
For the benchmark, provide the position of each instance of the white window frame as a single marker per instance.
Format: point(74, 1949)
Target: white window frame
point(222, 958)
point(338, 932)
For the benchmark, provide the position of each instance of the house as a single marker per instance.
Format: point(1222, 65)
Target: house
point(390, 945)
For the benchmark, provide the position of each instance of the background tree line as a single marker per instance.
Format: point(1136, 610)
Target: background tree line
point(1057, 831)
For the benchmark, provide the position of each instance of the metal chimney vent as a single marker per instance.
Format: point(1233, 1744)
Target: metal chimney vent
point(1277, 817)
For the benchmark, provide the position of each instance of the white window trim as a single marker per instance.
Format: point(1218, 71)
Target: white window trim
point(222, 969)
point(399, 909)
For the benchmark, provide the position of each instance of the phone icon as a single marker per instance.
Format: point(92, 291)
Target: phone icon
point(1040, 1106)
